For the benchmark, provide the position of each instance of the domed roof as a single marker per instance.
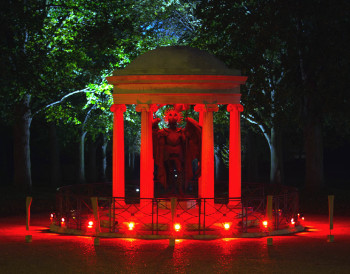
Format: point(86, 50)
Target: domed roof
point(176, 75)
point(176, 60)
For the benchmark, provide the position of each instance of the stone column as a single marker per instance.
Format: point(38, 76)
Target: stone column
point(235, 151)
point(146, 152)
point(118, 163)
point(206, 184)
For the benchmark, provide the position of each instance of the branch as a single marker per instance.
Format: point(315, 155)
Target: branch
point(85, 90)
point(252, 120)
point(266, 134)
point(88, 116)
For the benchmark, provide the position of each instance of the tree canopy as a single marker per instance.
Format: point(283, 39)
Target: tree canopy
point(55, 54)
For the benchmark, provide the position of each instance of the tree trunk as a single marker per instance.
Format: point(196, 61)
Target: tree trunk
point(313, 144)
point(104, 159)
point(276, 167)
point(252, 158)
point(81, 177)
point(92, 162)
point(22, 164)
point(313, 138)
point(55, 163)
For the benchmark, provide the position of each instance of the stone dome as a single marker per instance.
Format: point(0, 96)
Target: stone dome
point(176, 60)
point(176, 75)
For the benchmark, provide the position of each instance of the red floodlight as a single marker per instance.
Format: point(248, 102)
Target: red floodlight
point(131, 225)
point(63, 222)
point(90, 224)
point(177, 227)
point(265, 223)
point(227, 226)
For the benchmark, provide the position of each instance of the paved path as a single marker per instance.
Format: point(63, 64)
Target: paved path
point(307, 252)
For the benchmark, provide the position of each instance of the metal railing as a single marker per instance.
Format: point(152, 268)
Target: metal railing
point(156, 216)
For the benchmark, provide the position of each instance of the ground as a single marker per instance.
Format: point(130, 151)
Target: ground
point(306, 252)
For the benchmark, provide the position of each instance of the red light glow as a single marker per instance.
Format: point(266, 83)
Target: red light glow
point(226, 226)
point(90, 224)
point(63, 221)
point(131, 225)
point(265, 223)
point(292, 221)
point(177, 227)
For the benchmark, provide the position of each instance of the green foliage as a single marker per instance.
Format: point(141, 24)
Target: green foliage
point(244, 35)
point(151, 29)
point(55, 47)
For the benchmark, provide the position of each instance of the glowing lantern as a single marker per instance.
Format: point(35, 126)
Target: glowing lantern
point(265, 223)
point(51, 217)
point(90, 224)
point(131, 225)
point(292, 221)
point(63, 222)
point(226, 226)
point(177, 227)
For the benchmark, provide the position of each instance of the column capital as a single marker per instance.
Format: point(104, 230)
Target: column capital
point(146, 107)
point(206, 107)
point(118, 108)
point(234, 107)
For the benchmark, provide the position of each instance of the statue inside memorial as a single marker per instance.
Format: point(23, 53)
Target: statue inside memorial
point(177, 153)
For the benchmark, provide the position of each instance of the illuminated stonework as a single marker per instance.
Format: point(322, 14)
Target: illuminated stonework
point(177, 75)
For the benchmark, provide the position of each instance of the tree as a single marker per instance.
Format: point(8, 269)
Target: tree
point(35, 67)
point(289, 51)
point(318, 46)
point(88, 111)
point(51, 48)
point(244, 37)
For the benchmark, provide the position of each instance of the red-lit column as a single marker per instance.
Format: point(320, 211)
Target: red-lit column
point(118, 151)
point(206, 186)
point(235, 150)
point(146, 151)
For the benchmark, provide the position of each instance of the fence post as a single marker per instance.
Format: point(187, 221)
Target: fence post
point(29, 199)
point(28, 204)
point(199, 215)
point(173, 202)
point(269, 216)
point(94, 204)
point(330, 210)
